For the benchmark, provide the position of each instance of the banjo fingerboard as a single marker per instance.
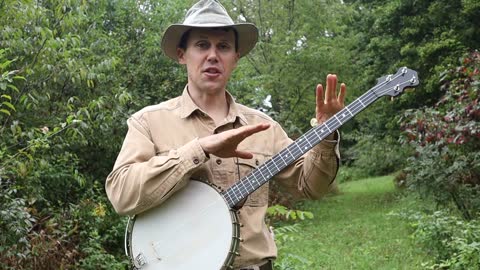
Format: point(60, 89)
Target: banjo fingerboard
point(391, 85)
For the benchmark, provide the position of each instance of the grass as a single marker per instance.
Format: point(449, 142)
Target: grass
point(353, 230)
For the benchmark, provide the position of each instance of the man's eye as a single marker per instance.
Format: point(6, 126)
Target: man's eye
point(202, 45)
point(224, 46)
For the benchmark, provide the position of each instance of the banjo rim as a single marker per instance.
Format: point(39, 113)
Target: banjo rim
point(234, 244)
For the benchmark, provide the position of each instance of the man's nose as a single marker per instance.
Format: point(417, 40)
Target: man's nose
point(212, 55)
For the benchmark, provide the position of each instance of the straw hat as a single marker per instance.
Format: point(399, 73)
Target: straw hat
point(208, 14)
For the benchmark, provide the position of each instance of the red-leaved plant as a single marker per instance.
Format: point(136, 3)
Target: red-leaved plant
point(447, 140)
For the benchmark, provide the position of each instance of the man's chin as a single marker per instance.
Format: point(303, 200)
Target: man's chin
point(214, 86)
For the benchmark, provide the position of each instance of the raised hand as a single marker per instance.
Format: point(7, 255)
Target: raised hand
point(332, 103)
point(225, 144)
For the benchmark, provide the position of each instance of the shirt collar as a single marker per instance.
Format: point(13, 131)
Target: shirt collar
point(188, 107)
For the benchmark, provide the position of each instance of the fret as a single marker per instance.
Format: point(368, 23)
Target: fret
point(280, 155)
point(228, 197)
point(261, 174)
point(275, 163)
point(361, 102)
point(337, 119)
point(351, 114)
point(247, 179)
point(309, 144)
point(234, 193)
point(270, 173)
point(288, 149)
point(316, 133)
point(295, 143)
point(328, 128)
point(242, 188)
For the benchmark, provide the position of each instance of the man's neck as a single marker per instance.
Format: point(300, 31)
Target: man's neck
point(213, 103)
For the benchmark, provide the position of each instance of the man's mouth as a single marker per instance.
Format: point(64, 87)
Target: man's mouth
point(212, 71)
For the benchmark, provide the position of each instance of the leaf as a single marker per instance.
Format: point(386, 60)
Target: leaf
point(13, 87)
point(7, 97)
point(5, 64)
point(9, 105)
point(5, 111)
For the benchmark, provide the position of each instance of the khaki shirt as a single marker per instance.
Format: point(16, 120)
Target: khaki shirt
point(161, 152)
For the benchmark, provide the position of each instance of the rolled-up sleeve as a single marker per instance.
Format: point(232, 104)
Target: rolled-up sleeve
point(141, 179)
point(312, 175)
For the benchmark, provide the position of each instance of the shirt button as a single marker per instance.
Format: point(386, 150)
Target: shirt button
point(196, 160)
point(257, 162)
point(219, 161)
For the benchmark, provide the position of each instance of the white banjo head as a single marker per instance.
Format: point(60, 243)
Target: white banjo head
point(193, 229)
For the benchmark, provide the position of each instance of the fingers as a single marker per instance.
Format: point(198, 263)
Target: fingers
point(319, 97)
point(343, 91)
point(331, 91)
point(247, 131)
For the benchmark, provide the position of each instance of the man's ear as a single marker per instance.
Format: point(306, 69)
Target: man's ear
point(181, 56)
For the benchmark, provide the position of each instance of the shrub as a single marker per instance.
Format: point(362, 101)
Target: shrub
point(446, 165)
point(287, 231)
point(453, 242)
point(376, 157)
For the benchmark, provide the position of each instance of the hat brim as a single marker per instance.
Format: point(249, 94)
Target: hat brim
point(247, 37)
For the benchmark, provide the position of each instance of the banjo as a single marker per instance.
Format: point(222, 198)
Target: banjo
point(199, 220)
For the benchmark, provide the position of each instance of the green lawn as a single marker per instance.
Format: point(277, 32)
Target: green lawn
point(353, 230)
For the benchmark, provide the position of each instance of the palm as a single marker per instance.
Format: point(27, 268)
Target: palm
point(225, 144)
point(332, 103)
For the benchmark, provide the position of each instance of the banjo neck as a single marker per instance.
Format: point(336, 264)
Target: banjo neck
point(391, 85)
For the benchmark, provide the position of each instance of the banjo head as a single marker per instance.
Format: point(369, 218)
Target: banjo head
point(193, 229)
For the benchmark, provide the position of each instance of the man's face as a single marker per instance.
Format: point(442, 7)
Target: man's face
point(210, 58)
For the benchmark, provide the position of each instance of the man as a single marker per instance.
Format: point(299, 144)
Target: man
point(205, 134)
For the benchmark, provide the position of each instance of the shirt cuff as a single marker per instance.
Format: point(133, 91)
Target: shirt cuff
point(327, 146)
point(192, 154)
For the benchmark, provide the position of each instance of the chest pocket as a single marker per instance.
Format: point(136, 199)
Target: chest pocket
point(260, 196)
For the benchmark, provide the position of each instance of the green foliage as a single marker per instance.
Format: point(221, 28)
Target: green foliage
point(446, 137)
point(452, 242)
point(286, 260)
point(280, 212)
point(73, 71)
point(347, 173)
point(371, 156)
point(295, 52)
point(287, 232)
point(424, 35)
point(15, 223)
point(352, 230)
point(67, 84)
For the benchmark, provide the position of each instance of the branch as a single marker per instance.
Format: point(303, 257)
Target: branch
point(252, 62)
